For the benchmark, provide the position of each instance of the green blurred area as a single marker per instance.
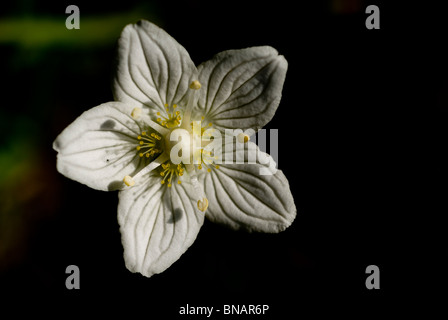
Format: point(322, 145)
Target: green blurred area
point(36, 33)
point(50, 74)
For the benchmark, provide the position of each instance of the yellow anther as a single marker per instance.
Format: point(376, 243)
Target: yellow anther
point(128, 181)
point(138, 148)
point(143, 133)
point(171, 172)
point(174, 106)
point(136, 113)
point(216, 167)
point(195, 85)
point(141, 142)
point(209, 170)
point(162, 182)
point(203, 204)
point(166, 105)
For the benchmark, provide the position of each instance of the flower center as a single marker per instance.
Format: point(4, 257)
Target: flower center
point(173, 118)
point(170, 171)
point(149, 145)
point(159, 144)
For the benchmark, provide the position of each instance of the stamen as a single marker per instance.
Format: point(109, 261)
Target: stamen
point(192, 100)
point(203, 204)
point(206, 166)
point(195, 85)
point(147, 144)
point(206, 157)
point(172, 119)
point(171, 172)
point(197, 188)
point(128, 181)
point(154, 164)
point(136, 113)
point(243, 138)
point(154, 125)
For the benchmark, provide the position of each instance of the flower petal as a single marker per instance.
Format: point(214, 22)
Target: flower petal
point(255, 197)
point(157, 224)
point(98, 148)
point(242, 88)
point(153, 68)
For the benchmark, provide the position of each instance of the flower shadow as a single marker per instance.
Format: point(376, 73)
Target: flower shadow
point(107, 125)
point(115, 185)
point(176, 215)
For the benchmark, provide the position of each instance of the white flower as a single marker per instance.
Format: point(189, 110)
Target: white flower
point(125, 145)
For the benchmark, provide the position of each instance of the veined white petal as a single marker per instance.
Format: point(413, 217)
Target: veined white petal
point(98, 148)
point(153, 68)
point(157, 224)
point(242, 198)
point(242, 88)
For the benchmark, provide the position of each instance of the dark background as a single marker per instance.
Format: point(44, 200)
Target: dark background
point(362, 130)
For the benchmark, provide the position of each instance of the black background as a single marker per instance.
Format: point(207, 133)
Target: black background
point(362, 127)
